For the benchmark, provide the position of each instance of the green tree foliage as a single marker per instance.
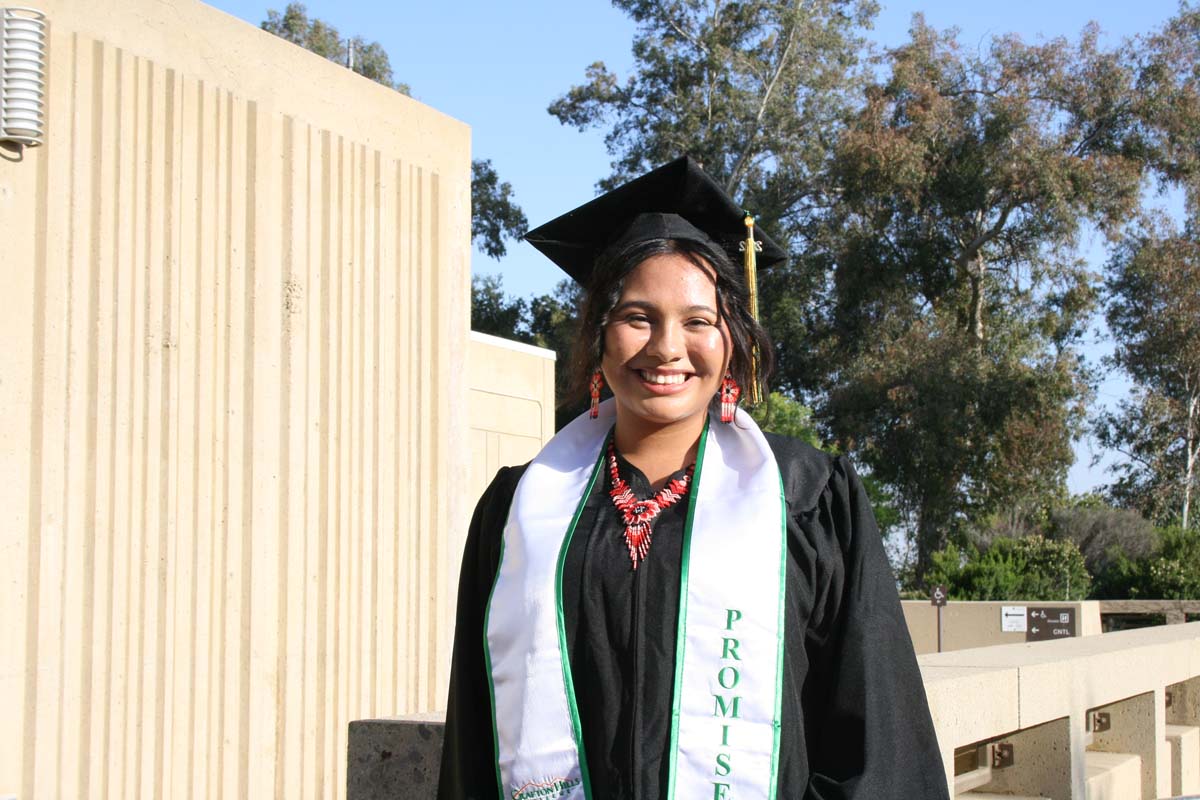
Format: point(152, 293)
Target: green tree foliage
point(748, 89)
point(497, 313)
point(1175, 573)
point(1153, 283)
point(783, 415)
point(368, 59)
point(1168, 99)
point(495, 216)
point(1170, 572)
point(1030, 568)
point(946, 348)
point(756, 92)
point(935, 297)
point(554, 323)
point(1123, 578)
point(1105, 535)
point(548, 320)
point(553, 317)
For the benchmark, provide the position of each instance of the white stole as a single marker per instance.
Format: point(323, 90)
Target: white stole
point(729, 651)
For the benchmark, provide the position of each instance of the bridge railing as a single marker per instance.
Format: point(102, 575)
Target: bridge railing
point(1105, 716)
point(1114, 715)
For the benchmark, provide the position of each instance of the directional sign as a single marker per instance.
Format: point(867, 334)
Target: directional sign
point(1045, 623)
point(938, 596)
point(1013, 619)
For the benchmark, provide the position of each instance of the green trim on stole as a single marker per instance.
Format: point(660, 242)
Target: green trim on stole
point(681, 628)
point(773, 789)
point(487, 660)
point(568, 681)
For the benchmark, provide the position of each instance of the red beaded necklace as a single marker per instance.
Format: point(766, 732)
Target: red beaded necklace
point(639, 515)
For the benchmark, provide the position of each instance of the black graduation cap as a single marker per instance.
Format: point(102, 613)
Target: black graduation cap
point(676, 201)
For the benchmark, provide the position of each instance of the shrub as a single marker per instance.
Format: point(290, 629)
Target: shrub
point(1029, 568)
point(1174, 573)
point(1170, 572)
point(1103, 533)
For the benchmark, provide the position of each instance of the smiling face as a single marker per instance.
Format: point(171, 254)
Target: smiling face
point(665, 345)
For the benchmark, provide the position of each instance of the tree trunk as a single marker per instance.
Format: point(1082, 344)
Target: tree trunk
point(1187, 492)
point(1191, 447)
point(976, 314)
point(930, 539)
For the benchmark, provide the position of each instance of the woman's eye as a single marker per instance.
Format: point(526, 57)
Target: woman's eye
point(698, 323)
point(637, 319)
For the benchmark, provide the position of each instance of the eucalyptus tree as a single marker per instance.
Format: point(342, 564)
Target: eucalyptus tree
point(752, 90)
point(757, 92)
point(1153, 283)
point(1169, 100)
point(950, 329)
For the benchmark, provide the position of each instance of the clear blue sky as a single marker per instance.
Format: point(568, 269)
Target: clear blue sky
point(497, 65)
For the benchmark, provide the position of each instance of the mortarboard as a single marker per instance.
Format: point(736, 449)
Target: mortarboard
point(676, 201)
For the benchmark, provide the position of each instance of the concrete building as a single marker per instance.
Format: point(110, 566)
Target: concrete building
point(236, 402)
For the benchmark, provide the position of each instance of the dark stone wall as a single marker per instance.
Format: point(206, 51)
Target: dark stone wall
point(394, 758)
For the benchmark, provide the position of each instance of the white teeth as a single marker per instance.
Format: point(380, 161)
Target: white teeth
point(654, 377)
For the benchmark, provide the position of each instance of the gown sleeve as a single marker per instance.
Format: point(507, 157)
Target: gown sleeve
point(468, 770)
point(867, 720)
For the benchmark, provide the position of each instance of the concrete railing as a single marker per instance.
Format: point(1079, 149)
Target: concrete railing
point(1105, 717)
point(1109, 716)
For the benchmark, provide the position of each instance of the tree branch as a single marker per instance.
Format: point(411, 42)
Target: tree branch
point(736, 173)
point(982, 238)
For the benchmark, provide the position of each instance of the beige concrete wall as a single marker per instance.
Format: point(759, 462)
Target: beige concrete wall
point(967, 624)
point(235, 316)
point(512, 405)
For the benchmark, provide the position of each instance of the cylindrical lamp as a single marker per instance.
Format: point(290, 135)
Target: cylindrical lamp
point(22, 76)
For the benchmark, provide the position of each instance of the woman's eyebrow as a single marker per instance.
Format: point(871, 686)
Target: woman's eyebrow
point(653, 307)
point(634, 304)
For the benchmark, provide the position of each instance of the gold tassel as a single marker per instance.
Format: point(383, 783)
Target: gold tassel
point(753, 394)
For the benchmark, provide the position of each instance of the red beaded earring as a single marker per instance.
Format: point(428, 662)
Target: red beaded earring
point(729, 393)
point(597, 385)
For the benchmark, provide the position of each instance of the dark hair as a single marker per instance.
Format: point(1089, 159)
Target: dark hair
point(733, 305)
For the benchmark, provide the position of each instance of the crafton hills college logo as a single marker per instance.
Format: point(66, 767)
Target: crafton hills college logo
point(538, 790)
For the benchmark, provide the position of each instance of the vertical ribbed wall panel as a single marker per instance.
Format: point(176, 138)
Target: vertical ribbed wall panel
point(233, 397)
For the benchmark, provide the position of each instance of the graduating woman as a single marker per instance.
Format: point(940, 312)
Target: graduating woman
point(666, 602)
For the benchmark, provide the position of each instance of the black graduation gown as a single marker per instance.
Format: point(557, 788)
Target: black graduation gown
point(855, 719)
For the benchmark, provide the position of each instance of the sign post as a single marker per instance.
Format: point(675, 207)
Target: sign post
point(937, 598)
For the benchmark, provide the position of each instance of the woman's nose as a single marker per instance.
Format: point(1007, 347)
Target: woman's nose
point(666, 342)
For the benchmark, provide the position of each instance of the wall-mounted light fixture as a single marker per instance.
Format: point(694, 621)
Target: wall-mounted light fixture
point(22, 76)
